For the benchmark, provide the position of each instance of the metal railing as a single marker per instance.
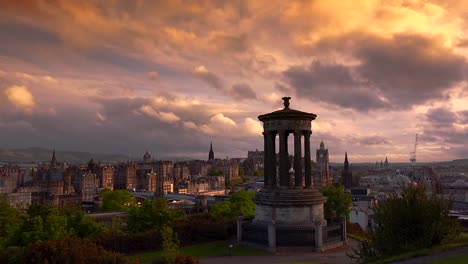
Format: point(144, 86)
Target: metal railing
point(332, 233)
point(257, 234)
point(295, 236)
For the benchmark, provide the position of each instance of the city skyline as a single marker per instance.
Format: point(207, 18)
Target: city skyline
point(170, 77)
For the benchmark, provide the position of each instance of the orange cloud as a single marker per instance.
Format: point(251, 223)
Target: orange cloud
point(20, 97)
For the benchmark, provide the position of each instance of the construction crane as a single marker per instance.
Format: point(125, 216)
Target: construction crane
point(413, 154)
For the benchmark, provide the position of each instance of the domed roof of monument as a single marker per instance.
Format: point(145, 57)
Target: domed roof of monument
point(287, 113)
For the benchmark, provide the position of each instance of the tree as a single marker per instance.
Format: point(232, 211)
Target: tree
point(240, 201)
point(407, 221)
point(56, 225)
point(151, 215)
point(215, 172)
point(413, 220)
point(170, 245)
point(10, 221)
point(338, 201)
point(84, 226)
point(70, 250)
point(31, 231)
point(118, 200)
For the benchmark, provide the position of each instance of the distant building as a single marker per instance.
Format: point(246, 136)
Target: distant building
point(323, 176)
point(211, 153)
point(347, 175)
point(105, 174)
point(147, 157)
point(125, 176)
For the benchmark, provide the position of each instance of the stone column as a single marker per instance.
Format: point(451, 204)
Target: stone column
point(297, 159)
point(272, 158)
point(307, 165)
point(318, 236)
point(240, 219)
point(283, 158)
point(266, 159)
point(272, 236)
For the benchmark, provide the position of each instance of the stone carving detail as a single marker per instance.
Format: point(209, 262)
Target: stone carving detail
point(287, 125)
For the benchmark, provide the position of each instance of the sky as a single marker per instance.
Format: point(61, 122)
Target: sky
point(171, 76)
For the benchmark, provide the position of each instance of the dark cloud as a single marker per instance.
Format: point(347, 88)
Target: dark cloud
point(463, 116)
point(208, 77)
point(241, 91)
point(373, 140)
point(441, 117)
point(395, 73)
point(409, 69)
point(231, 43)
point(333, 84)
point(444, 126)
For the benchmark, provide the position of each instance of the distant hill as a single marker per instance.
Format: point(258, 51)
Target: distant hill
point(42, 155)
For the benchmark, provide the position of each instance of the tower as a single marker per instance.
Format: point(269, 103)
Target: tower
point(347, 175)
point(323, 177)
point(386, 163)
point(211, 153)
point(147, 157)
point(53, 161)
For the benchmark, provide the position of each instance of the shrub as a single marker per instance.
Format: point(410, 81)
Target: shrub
point(70, 250)
point(203, 228)
point(170, 245)
point(338, 201)
point(408, 221)
point(127, 243)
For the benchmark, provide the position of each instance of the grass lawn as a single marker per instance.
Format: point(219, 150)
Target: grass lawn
point(212, 249)
point(461, 241)
point(452, 260)
point(300, 262)
point(356, 236)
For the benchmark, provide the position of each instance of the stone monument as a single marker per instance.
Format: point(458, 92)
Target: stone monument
point(288, 209)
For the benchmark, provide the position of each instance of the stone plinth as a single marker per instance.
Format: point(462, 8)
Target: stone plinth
point(289, 207)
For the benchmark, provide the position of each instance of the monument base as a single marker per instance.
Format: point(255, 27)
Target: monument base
point(289, 207)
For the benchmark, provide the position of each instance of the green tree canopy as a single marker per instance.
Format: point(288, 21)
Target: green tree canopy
point(408, 221)
point(240, 201)
point(413, 220)
point(118, 200)
point(215, 172)
point(151, 215)
point(43, 223)
point(10, 221)
point(338, 201)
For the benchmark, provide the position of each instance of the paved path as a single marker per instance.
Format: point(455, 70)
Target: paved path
point(463, 251)
point(333, 256)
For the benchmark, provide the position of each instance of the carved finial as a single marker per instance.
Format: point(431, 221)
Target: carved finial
point(286, 101)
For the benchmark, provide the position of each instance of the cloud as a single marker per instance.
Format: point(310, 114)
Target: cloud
point(241, 91)
point(222, 120)
point(153, 75)
point(388, 73)
point(167, 117)
point(210, 78)
point(252, 127)
point(333, 84)
point(21, 97)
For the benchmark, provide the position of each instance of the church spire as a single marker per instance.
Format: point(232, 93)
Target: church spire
point(347, 176)
point(53, 162)
point(211, 153)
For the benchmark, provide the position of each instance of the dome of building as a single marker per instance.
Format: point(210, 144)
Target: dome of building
point(400, 180)
point(459, 183)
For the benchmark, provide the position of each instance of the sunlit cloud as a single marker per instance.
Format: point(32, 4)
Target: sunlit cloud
point(20, 97)
point(375, 72)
